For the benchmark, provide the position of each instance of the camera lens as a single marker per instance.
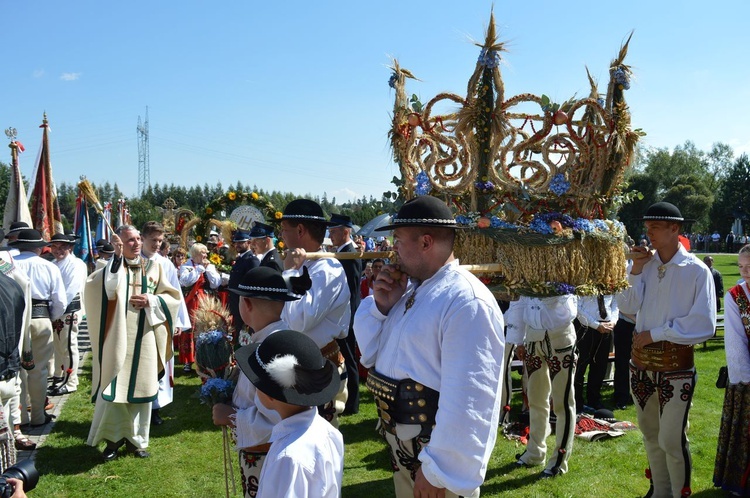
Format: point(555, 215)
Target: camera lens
point(24, 471)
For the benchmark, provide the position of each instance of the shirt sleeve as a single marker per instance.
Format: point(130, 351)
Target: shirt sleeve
point(368, 325)
point(514, 325)
point(214, 279)
point(253, 423)
point(189, 274)
point(468, 410)
point(630, 299)
point(735, 342)
point(584, 313)
point(58, 298)
point(287, 479)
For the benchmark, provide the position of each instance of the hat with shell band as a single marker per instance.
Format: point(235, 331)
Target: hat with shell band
point(16, 227)
point(289, 367)
point(663, 211)
point(422, 211)
point(28, 238)
point(304, 210)
point(263, 282)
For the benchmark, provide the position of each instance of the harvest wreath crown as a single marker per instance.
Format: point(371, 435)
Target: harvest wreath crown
point(538, 182)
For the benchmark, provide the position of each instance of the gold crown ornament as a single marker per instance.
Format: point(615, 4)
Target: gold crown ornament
point(537, 183)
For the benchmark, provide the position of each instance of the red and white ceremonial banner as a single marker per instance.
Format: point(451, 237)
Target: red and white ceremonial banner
point(45, 208)
point(17, 204)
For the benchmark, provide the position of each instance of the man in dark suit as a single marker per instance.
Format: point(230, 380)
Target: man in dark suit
point(340, 233)
point(245, 261)
point(261, 241)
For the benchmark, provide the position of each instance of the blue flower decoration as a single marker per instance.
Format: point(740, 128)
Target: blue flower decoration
point(212, 337)
point(489, 58)
point(484, 187)
point(601, 225)
point(463, 220)
point(559, 185)
point(496, 222)
point(563, 288)
point(393, 80)
point(540, 225)
point(622, 77)
point(600, 101)
point(424, 186)
point(583, 225)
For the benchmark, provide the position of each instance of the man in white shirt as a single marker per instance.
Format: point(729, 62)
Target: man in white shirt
point(432, 337)
point(672, 293)
point(340, 233)
point(65, 339)
point(48, 303)
point(323, 313)
point(152, 237)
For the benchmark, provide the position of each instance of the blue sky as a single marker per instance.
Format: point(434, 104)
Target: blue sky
point(293, 96)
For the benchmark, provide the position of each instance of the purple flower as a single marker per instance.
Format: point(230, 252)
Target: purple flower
point(423, 186)
point(563, 288)
point(540, 225)
point(484, 187)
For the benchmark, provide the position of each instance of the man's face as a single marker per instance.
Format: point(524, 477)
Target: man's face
point(152, 243)
point(662, 234)
point(241, 246)
point(131, 243)
point(339, 235)
point(290, 235)
point(408, 244)
point(376, 267)
point(60, 250)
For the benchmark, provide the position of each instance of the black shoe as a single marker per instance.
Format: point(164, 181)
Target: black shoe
point(110, 452)
point(141, 454)
point(47, 419)
point(155, 417)
point(59, 391)
point(546, 474)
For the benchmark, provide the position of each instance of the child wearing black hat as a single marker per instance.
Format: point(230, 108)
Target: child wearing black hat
point(262, 292)
point(306, 459)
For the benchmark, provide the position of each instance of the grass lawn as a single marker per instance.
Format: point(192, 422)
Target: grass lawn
point(187, 449)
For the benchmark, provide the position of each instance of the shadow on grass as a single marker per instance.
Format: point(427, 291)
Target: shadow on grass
point(494, 489)
point(382, 488)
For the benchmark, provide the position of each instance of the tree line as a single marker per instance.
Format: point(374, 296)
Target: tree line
point(709, 187)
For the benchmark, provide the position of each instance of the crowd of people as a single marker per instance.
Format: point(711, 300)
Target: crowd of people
point(435, 344)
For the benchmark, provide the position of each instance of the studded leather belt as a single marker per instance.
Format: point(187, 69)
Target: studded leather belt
point(663, 356)
point(332, 352)
point(39, 308)
point(75, 305)
point(403, 402)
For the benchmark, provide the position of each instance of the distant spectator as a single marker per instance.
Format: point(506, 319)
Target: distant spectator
point(715, 241)
point(730, 241)
point(718, 280)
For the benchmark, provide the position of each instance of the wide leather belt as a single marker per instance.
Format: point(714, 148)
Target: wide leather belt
point(39, 308)
point(75, 305)
point(261, 448)
point(332, 352)
point(663, 356)
point(403, 402)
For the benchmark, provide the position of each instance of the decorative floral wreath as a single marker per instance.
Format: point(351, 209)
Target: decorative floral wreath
point(227, 203)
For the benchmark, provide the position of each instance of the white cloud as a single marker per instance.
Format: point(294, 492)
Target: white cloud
point(345, 194)
point(70, 76)
point(38, 73)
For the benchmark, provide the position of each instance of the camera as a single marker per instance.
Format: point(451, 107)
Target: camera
point(23, 471)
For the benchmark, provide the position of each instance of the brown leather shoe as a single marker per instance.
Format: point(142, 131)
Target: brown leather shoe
point(24, 444)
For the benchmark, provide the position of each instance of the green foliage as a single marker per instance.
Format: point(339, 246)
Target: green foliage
point(733, 198)
point(416, 105)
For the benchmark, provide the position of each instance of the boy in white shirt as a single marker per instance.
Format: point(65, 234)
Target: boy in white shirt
point(306, 458)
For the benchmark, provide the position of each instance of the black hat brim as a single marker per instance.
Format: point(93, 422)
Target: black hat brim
point(245, 357)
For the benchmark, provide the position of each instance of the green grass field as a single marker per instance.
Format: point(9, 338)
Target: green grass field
point(187, 449)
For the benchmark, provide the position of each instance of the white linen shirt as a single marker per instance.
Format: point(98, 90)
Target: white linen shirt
point(46, 282)
point(681, 308)
point(450, 340)
point(735, 340)
point(306, 459)
point(253, 422)
point(74, 274)
point(182, 320)
point(324, 312)
point(588, 310)
point(190, 272)
point(530, 318)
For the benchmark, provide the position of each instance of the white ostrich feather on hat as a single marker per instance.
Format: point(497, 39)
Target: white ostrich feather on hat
point(281, 370)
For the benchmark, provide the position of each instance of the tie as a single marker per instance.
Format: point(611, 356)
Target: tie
point(602, 308)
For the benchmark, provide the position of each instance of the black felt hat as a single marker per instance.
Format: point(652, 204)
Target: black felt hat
point(106, 248)
point(28, 238)
point(261, 230)
point(304, 210)
point(422, 211)
point(16, 227)
point(62, 237)
point(289, 367)
point(100, 243)
point(340, 220)
point(241, 236)
point(663, 211)
point(263, 282)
